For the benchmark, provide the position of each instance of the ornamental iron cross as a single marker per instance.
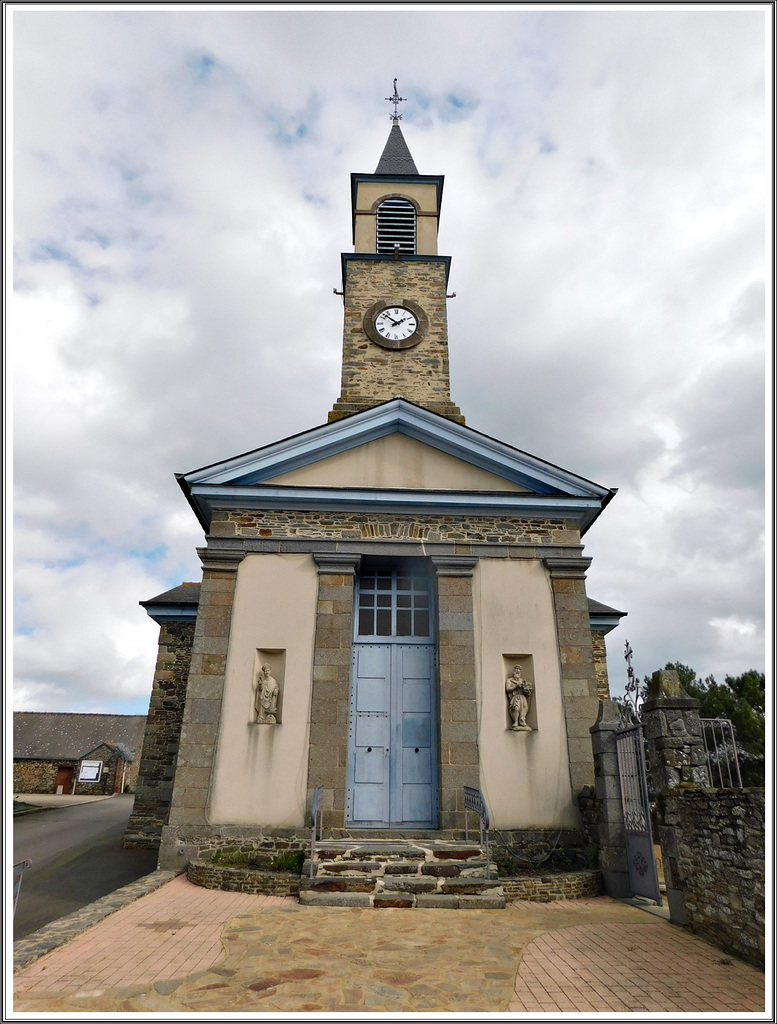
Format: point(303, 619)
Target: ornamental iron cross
point(396, 99)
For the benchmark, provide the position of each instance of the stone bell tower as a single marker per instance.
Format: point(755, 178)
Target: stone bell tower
point(395, 337)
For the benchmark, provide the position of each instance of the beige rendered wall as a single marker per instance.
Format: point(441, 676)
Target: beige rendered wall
point(260, 772)
point(370, 193)
point(396, 461)
point(524, 776)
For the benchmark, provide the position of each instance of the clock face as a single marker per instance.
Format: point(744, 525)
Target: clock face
point(396, 323)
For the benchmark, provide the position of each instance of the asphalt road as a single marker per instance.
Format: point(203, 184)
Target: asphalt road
point(77, 857)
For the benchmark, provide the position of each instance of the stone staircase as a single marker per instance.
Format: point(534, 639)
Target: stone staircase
point(423, 873)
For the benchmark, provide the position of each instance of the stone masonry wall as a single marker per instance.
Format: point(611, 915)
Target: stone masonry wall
point(600, 665)
point(154, 788)
point(253, 880)
point(37, 776)
point(372, 374)
point(570, 885)
point(713, 847)
point(362, 526)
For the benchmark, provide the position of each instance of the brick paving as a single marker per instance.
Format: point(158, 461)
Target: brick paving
point(628, 968)
point(182, 949)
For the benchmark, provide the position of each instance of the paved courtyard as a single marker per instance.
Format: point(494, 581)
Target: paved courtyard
point(184, 949)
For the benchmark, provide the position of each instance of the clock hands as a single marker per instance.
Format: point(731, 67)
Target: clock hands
point(396, 323)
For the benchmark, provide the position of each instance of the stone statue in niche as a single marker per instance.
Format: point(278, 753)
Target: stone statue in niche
point(518, 690)
point(265, 698)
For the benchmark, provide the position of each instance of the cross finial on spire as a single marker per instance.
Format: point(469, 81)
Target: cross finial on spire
point(396, 99)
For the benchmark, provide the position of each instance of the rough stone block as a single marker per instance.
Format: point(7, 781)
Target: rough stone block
point(436, 901)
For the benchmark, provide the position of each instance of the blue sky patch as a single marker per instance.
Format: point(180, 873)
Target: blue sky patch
point(201, 66)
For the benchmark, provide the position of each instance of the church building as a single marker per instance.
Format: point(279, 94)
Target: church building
point(392, 605)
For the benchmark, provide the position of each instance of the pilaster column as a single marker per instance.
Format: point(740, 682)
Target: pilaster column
point(459, 755)
point(204, 694)
point(330, 700)
point(611, 837)
point(578, 674)
point(161, 738)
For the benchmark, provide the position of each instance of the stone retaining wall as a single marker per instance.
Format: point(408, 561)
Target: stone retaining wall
point(571, 848)
point(713, 848)
point(571, 885)
point(253, 880)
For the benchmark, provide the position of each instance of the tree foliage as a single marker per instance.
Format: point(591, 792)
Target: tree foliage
point(742, 699)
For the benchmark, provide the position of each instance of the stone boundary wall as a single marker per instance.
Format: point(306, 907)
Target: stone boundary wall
point(569, 885)
point(251, 880)
point(378, 526)
point(713, 847)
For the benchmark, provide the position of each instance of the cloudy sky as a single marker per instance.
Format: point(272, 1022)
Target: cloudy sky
point(181, 200)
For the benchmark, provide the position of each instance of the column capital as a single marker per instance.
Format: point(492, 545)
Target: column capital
point(337, 563)
point(220, 560)
point(567, 568)
point(454, 565)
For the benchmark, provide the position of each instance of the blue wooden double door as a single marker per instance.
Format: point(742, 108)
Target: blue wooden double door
point(392, 735)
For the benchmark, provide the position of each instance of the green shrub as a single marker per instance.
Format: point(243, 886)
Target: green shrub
point(291, 861)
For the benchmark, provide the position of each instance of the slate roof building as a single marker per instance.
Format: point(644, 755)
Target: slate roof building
point(393, 604)
point(49, 747)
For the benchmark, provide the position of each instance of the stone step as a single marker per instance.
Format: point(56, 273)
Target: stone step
point(493, 900)
point(385, 873)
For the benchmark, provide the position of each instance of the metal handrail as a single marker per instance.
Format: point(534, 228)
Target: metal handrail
point(316, 821)
point(473, 801)
point(18, 871)
point(724, 754)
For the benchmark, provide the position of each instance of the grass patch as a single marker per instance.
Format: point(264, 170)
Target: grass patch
point(291, 860)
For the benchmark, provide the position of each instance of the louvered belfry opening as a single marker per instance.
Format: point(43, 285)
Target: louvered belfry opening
point(396, 226)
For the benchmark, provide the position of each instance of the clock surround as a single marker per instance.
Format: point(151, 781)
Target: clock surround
point(382, 328)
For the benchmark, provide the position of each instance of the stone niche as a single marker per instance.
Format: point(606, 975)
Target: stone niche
point(267, 712)
point(525, 689)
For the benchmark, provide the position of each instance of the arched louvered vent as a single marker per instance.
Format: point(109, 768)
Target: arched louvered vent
point(396, 226)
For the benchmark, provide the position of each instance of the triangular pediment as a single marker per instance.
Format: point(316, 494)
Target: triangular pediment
point(448, 466)
point(396, 461)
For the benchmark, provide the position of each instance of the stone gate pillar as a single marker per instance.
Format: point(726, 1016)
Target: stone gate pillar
point(673, 737)
point(675, 755)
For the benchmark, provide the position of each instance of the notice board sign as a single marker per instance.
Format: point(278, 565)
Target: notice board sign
point(90, 771)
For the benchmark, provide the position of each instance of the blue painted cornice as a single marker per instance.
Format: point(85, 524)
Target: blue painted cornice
point(245, 481)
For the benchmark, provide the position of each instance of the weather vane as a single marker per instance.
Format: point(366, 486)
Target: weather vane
point(396, 99)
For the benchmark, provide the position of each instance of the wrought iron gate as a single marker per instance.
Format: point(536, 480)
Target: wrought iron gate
point(643, 876)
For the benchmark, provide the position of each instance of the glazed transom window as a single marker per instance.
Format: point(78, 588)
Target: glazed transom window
point(393, 603)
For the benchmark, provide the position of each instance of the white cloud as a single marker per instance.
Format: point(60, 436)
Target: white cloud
point(181, 198)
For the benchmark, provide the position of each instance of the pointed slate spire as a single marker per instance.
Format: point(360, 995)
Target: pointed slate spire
point(396, 158)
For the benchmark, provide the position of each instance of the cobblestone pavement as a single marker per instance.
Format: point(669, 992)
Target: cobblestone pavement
point(181, 949)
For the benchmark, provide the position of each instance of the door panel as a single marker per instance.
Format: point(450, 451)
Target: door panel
point(392, 758)
point(392, 753)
